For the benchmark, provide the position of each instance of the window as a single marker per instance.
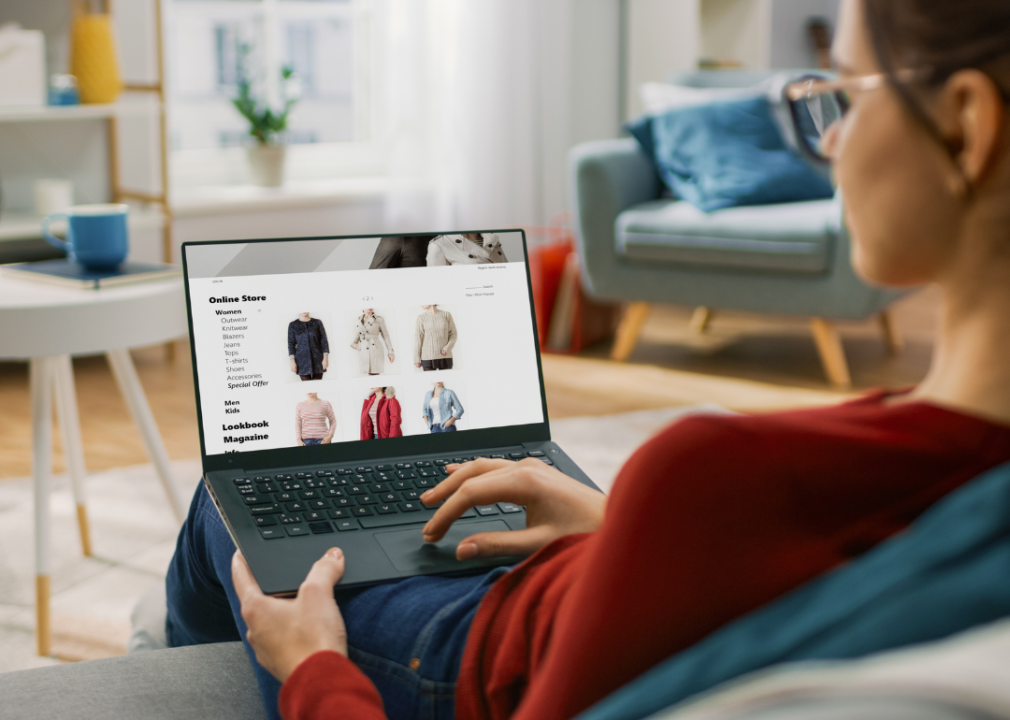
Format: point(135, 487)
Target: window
point(211, 43)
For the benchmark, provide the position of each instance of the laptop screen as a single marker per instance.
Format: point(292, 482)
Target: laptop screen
point(300, 343)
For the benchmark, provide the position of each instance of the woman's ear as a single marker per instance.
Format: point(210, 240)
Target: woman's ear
point(976, 115)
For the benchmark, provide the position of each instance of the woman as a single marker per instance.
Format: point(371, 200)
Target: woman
point(442, 409)
point(380, 415)
point(716, 515)
point(315, 422)
point(434, 338)
point(308, 350)
point(465, 249)
point(368, 338)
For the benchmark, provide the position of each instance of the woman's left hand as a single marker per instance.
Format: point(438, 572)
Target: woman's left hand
point(285, 632)
point(449, 422)
point(326, 363)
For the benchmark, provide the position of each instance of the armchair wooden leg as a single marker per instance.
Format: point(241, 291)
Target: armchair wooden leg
point(892, 335)
point(829, 347)
point(700, 319)
point(628, 331)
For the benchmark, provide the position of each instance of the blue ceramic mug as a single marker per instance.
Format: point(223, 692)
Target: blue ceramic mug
point(97, 235)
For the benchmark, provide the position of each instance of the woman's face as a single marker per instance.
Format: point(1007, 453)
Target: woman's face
point(892, 172)
point(368, 312)
point(311, 396)
point(439, 386)
point(302, 316)
point(428, 307)
point(377, 391)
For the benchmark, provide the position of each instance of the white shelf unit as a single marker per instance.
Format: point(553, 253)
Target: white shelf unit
point(45, 113)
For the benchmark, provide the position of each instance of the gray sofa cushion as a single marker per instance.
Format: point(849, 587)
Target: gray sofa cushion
point(202, 681)
point(790, 237)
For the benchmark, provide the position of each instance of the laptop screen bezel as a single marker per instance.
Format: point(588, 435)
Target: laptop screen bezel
point(352, 451)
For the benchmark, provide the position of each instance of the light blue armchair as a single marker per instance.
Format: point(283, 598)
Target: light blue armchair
point(641, 246)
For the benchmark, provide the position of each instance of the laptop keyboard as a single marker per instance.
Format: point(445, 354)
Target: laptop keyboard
point(345, 499)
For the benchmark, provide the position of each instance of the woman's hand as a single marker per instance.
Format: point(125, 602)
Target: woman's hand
point(326, 363)
point(556, 505)
point(449, 422)
point(355, 346)
point(327, 440)
point(417, 365)
point(443, 352)
point(294, 366)
point(301, 443)
point(392, 359)
point(285, 632)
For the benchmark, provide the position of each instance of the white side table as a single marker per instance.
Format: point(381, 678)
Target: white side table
point(46, 325)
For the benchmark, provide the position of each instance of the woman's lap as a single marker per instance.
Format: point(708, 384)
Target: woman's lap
point(407, 637)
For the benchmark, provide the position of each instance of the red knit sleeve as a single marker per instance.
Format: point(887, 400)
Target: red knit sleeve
point(394, 418)
point(326, 686)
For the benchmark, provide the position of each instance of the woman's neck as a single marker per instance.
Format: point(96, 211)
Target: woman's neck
point(969, 369)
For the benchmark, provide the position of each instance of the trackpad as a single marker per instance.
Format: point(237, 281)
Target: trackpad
point(412, 555)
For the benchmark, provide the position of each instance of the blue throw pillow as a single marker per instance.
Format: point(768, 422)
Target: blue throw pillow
point(726, 154)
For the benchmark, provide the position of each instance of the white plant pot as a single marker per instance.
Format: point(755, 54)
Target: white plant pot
point(266, 164)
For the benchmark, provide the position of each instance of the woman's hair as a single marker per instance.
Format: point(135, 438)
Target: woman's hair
point(940, 37)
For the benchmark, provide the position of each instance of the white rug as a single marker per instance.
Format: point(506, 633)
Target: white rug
point(133, 536)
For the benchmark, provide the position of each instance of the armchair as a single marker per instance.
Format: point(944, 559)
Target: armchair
point(641, 246)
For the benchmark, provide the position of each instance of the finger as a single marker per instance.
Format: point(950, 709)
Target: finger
point(498, 544)
point(496, 487)
point(325, 573)
point(246, 586)
point(460, 474)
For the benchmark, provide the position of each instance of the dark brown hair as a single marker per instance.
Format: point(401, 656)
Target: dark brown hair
point(940, 37)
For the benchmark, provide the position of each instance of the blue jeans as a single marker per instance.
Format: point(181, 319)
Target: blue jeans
point(443, 428)
point(312, 441)
point(388, 626)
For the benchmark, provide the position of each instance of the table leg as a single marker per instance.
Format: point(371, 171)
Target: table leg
point(41, 381)
point(133, 392)
point(73, 448)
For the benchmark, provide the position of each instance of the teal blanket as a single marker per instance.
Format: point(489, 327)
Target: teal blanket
point(948, 572)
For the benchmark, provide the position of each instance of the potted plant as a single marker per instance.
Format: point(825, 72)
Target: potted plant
point(267, 154)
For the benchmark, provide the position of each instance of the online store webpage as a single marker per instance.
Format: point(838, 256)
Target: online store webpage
point(312, 342)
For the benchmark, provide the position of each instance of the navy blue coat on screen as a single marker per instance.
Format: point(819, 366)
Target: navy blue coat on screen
point(307, 344)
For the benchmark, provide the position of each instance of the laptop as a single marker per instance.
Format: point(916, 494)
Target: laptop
point(337, 377)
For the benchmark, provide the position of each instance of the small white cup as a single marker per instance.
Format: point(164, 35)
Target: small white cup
point(53, 196)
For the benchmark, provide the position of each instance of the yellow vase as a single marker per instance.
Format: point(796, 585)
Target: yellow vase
point(93, 59)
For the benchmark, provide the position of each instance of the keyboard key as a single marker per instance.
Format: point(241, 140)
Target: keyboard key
point(338, 482)
point(497, 456)
point(425, 482)
point(242, 481)
point(324, 473)
point(267, 509)
point(412, 494)
point(536, 453)
point(314, 516)
point(332, 493)
point(320, 527)
point(344, 525)
point(308, 494)
point(267, 487)
point(318, 504)
point(342, 502)
point(285, 497)
point(296, 530)
point(303, 476)
point(289, 519)
point(403, 485)
point(357, 490)
point(427, 473)
point(385, 477)
point(384, 468)
point(362, 511)
point(313, 484)
point(367, 500)
point(484, 510)
point(380, 487)
point(362, 479)
point(546, 460)
point(509, 507)
point(339, 514)
point(296, 506)
point(363, 469)
point(412, 518)
point(256, 499)
point(458, 460)
point(246, 489)
point(444, 461)
point(403, 466)
point(344, 471)
point(423, 464)
point(271, 533)
point(262, 478)
point(385, 509)
point(283, 476)
point(406, 475)
point(264, 520)
point(389, 497)
point(412, 506)
point(290, 486)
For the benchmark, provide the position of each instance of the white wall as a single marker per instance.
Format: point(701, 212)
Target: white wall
point(791, 46)
point(663, 36)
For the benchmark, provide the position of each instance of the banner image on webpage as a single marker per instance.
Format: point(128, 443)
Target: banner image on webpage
point(301, 342)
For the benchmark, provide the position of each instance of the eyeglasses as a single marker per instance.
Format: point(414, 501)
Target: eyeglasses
point(815, 104)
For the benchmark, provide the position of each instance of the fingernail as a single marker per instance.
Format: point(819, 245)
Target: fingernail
point(465, 551)
point(426, 494)
point(335, 553)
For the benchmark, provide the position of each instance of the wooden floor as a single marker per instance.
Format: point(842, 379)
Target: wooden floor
point(748, 363)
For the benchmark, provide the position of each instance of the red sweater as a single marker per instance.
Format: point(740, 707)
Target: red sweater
point(712, 518)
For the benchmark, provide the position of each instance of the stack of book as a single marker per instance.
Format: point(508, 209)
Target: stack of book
point(69, 274)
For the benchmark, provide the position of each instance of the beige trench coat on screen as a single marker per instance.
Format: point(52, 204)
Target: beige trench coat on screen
point(369, 334)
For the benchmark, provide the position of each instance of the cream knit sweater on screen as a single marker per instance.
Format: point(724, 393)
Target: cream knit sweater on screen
point(435, 331)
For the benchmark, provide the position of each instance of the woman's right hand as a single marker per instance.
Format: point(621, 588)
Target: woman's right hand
point(300, 443)
point(556, 505)
point(294, 366)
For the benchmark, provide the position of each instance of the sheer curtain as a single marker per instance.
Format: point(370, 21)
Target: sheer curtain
point(474, 111)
